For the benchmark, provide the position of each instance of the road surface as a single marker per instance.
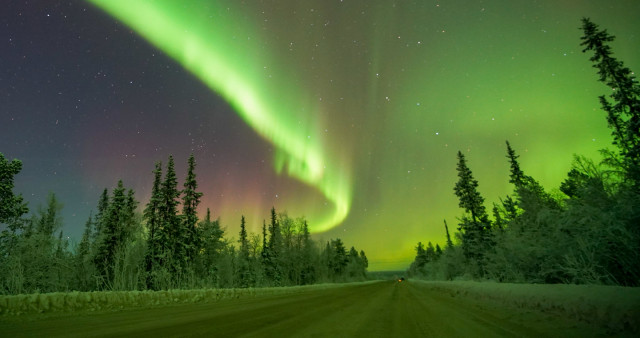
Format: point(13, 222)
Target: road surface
point(381, 309)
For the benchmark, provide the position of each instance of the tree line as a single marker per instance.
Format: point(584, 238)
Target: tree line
point(165, 246)
point(588, 232)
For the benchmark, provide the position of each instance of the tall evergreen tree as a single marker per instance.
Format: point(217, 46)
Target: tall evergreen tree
point(171, 237)
point(117, 225)
point(84, 247)
point(212, 245)
point(273, 267)
point(430, 252)
point(420, 261)
point(308, 269)
point(497, 216)
point(103, 206)
point(355, 265)
point(45, 258)
point(365, 260)
point(438, 251)
point(83, 264)
point(476, 229)
point(244, 274)
point(623, 115)
point(338, 259)
point(265, 247)
point(517, 175)
point(154, 224)
point(50, 220)
point(466, 189)
point(530, 194)
point(108, 240)
point(190, 202)
point(128, 217)
point(244, 239)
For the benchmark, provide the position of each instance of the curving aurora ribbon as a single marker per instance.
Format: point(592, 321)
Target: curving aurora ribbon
point(207, 40)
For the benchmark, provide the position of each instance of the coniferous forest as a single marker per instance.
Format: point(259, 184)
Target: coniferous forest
point(587, 234)
point(167, 246)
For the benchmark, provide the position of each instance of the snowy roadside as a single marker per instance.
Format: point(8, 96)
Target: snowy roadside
point(60, 302)
point(614, 307)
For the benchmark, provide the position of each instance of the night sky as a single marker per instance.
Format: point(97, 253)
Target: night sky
point(349, 113)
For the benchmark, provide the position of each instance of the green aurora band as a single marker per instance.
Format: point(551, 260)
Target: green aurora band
point(218, 50)
point(366, 103)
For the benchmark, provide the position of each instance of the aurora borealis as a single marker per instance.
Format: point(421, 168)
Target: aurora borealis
point(212, 52)
point(347, 112)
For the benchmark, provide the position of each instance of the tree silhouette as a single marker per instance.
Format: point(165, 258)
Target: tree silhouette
point(623, 114)
point(154, 225)
point(190, 202)
point(476, 228)
point(171, 236)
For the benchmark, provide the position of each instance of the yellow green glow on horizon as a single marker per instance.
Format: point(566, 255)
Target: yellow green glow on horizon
point(227, 62)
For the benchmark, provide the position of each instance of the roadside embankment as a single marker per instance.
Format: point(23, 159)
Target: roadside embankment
point(614, 307)
point(117, 300)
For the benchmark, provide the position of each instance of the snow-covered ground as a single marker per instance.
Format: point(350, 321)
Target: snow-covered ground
point(617, 308)
point(385, 308)
point(614, 307)
point(114, 300)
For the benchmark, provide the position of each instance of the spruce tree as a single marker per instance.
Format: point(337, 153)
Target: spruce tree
point(355, 265)
point(530, 195)
point(517, 176)
point(275, 237)
point(171, 237)
point(338, 259)
point(212, 244)
point(308, 270)
point(50, 220)
point(42, 252)
point(466, 189)
point(497, 216)
point(421, 259)
point(244, 275)
point(476, 228)
point(244, 242)
point(430, 252)
point(84, 247)
point(623, 115)
point(438, 251)
point(118, 223)
point(103, 206)
point(128, 217)
point(109, 236)
point(83, 264)
point(365, 260)
point(326, 258)
point(154, 224)
point(273, 267)
point(190, 202)
point(265, 247)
